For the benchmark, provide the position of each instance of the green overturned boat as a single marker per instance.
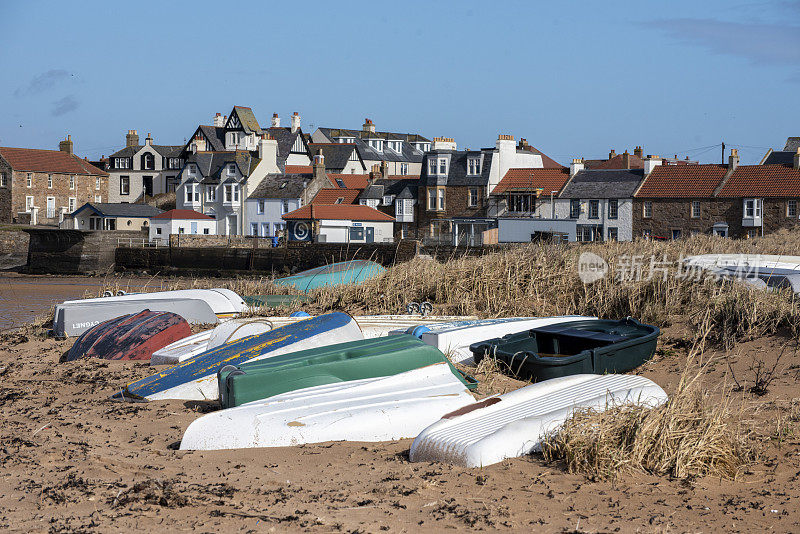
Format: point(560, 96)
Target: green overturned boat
point(343, 362)
point(273, 301)
point(572, 347)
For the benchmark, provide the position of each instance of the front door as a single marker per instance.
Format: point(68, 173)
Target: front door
point(51, 207)
point(370, 234)
point(147, 183)
point(194, 227)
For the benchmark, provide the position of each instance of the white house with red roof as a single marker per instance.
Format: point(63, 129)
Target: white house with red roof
point(180, 221)
point(339, 223)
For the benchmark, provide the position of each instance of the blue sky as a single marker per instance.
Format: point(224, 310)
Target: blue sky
point(574, 78)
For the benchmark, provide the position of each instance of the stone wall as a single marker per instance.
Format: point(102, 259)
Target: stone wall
point(73, 251)
point(280, 260)
point(13, 248)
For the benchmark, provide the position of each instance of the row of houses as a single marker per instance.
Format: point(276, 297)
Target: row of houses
point(343, 185)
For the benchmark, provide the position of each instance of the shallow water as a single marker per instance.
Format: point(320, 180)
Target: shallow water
point(24, 298)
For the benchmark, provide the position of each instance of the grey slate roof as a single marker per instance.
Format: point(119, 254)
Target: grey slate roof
point(248, 119)
point(457, 170)
point(780, 157)
point(602, 183)
point(792, 144)
point(167, 151)
point(121, 210)
point(336, 154)
point(215, 137)
point(281, 186)
point(409, 153)
point(285, 139)
point(384, 186)
point(211, 164)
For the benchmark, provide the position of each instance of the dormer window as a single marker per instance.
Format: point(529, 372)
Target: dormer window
point(388, 199)
point(148, 162)
point(432, 166)
point(377, 144)
point(340, 183)
point(235, 138)
point(346, 140)
point(442, 165)
point(231, 169)
point(122, 163)
point(190, 170)
point(474, 166)
point(397, 146)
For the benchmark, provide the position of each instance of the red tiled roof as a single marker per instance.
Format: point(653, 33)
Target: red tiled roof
point(351, 181)
point(182, 214)
point(36, 160)
point(299, 169)
point(350, 212)
point(682, 181)
point(762, 181)
point(528, 179)
point(330, 196)
point(634, 162)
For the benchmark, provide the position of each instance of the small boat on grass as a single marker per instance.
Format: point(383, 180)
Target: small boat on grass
point(455, 338)
point(382, 325)
point(343, 362)
point(227, 332)
point(130, 337)
point(373, 409)
point(197, 306)
point(196, 378)
point(342, 273)
point(572, 347)
point(763, 271)
point(514, 424)
point(274, 301)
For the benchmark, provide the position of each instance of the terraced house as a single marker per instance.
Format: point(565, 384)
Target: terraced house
point(396, 153)
point(724, 200)
point(42, 186)
point(139, 171)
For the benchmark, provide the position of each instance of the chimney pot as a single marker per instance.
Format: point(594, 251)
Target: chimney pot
point(612, 153)
point(796, 160)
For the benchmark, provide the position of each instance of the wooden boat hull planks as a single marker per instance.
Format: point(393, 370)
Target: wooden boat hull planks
point(376, 409)
point(514, 424)
point(196, 378)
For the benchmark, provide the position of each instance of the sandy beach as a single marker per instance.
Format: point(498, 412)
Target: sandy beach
point(72, 460)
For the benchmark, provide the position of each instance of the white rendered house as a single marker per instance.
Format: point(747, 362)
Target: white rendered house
point(180, 222)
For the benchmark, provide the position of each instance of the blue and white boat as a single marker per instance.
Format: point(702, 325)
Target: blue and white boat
point(196, 378)
point(454, 338)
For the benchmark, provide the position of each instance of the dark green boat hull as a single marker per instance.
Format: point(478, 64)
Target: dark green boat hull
point(273, 301)
point(575, 347)
point(356, 360)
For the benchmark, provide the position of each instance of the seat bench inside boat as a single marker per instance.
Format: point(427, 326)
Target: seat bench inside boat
point(574, 347)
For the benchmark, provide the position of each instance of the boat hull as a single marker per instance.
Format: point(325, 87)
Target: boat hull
point(377, 409)
point(342, 273)
point(196, 378)
point(514, 424)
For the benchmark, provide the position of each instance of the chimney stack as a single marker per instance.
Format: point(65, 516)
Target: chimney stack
point(368, 127)
point(523, 143)
point(66, 145)
point(612, 154)
point(796, 160)
point(375, 173)
point(319, 166)
point(198, 144)
point(638, 152)
point(132, 138)
point(148, 140)
point(267, 148)
point(576, 166)
point(295, 122)
point(276, 121)
point(650, 163)
point(444, 143)
point(626, 160)
point(219, 120)
point(733, 159)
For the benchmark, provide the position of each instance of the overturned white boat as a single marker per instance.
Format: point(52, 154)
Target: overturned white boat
point(198, 306)
point(514, 424)
point(227, 332)
point(763, 271)
point(454, 339)
point(373, 409)
point(381, 325)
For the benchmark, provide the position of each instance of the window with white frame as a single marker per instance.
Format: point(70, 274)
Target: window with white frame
point(473, 197)
point(124, 185)
point(442, 165)
point(29, 179)
point(613, 208)
point(431, 199)
point(190, 170)
point(97, 183)
point(28, 203)
point(752, 208)
point(122, 163)
point(3, 182)
point(594, 209)
point(254, 229)
point(231, 169)
point(647, 209)
point(473, 166)
point(235, 138)
point(50, 181)
point(260, 204)
point(211, 193)
point(98, 199)
point(72, 203)
point(228, 193)
point(174, 163)
point(791, 208)
point(440, 198)
point(284, 207)
point(72, 182)
point(377, 144)
point(432, 166)
point(695, 210)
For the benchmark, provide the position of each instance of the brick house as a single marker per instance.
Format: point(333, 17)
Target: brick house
point(725, 200)
point(41, 186)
